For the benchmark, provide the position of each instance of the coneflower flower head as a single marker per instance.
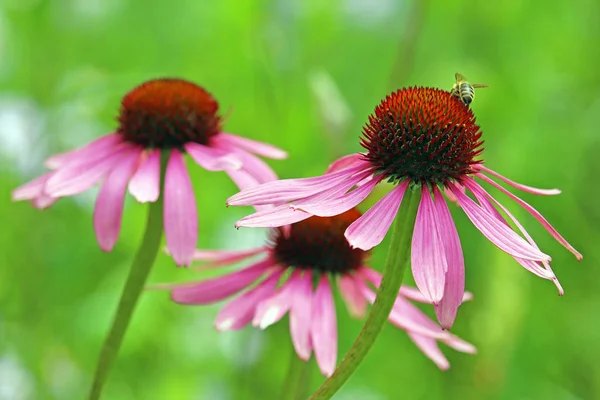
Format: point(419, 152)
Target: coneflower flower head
point(294, 274)
point(418, 138)
point(163, 115)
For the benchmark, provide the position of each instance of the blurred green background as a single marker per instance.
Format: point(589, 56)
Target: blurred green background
point(303, 75)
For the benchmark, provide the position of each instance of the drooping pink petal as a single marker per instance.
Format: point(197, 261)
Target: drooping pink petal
point(180, 215)
point(340, 204)
point(239, 312)
point(428, 255)
point(370, 229)
point(524, 188)
point(109, 203)
point(406, 316)
point(272, 218)
point(253, 165)
point(31, 189)
point(98, 146)
point(212, 159)
point(343, 162)
point(76, 177)
point(217, 289)
point(497, 232)
point(355, 301)
point(323, 328)
point(226, 257)
point(290, 189)
point(242, 179)
point(300, 314)
point(43, 201)
point(459, 345)
point(272, 309)
point(535, 213)
point(430, 348)
point(253, 146)
point(145, 184)
point(454, 287)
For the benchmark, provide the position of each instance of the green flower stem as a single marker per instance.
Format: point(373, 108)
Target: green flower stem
point(396, 263)
point(140, 268)
point(295, 385)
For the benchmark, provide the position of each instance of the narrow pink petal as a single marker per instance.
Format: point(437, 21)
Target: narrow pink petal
point(370, 229)
point(212, 159)
point(355, 301)
point(253, 146)
point(454, 287)
point(226, 257)
point(43, 201)
point(180, 218)
point(323, 328)
point(272, 218)
point(497, 232)
point(459, 345)
point(272, 309)
point(253, 165)
point(217, 289)
point(242, 179)
point(430, 348)
point(98, 146)
point(300, 314)
point(340, 204)
point(536, 214)
point(524, 188)
point(109, 203)
point(239, 312)
point(145, 184)
point(343, 162)
point(31, 189)
point(290, 189)
point(428, 254)
point(78, 176)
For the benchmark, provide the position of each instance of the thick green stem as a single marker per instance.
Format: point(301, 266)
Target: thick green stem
point(398, 259)
point(295, 385)
point(140, 268)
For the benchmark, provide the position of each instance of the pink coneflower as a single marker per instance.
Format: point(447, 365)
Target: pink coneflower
point(294, 275)
point(417, 138)
point(162, 114)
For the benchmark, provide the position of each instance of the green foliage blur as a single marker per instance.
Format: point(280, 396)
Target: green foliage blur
point(303, 75)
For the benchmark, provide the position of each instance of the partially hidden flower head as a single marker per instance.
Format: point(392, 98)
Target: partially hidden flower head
point(417, 138)
point(295, 274)
point(163, 115)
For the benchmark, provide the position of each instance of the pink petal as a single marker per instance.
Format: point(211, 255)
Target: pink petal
point(43, 201)
point(180, 218)
point(430, 348)
point(343, 162)
point(239, 312)
point(272, 218)
point(428, 255)
point(145, 184)
point(459, 345)
point(254, 166)
point(536, 214)
point(323, 329)
point(109, 203)
point(272, 309)
point(300, 314)
point(253, 146)
point(524, 188)
point(212, 159)
point(340, 204)
point(352, 295)
point(98, 146)
point(454, 287)
point(290, 189)
point(226, 257)
point(31, 189)
point(78, 176)
point(217, 289)
point(370, 229)
point(497, 232)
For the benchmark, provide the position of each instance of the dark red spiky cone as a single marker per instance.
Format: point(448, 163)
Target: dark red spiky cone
point(168, 113)
point(424, 135)
point(318, 243)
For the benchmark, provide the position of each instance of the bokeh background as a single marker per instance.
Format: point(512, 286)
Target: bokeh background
point(303, 75)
